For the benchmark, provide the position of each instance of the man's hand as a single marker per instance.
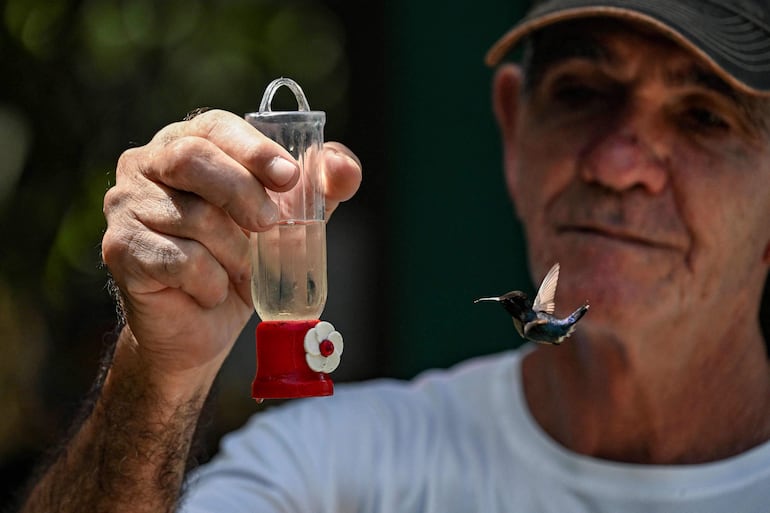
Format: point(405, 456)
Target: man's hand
point(178, 221)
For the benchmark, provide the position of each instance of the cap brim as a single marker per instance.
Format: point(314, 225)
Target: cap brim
point(534, 23)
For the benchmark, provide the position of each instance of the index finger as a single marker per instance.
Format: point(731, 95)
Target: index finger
point(267, 160)
point(210, 159)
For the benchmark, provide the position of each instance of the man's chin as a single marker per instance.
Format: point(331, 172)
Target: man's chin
point(615, 302)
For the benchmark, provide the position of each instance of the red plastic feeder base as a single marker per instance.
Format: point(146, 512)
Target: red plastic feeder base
point(282, 371)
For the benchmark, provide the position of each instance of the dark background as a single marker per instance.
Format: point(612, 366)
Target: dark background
point(403, 84)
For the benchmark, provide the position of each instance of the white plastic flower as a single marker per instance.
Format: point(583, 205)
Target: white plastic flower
point(323, 347)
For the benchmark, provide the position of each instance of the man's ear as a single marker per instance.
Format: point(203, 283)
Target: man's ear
point(506, 89)
point(505, 95)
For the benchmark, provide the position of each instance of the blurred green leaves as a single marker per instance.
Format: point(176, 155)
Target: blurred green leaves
point(34, 24)
point(91, 78)
point(14, 145)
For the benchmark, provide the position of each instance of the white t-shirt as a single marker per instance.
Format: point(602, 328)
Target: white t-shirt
point(451, 441)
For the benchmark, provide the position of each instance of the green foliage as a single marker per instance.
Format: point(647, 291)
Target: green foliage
point(88, 79)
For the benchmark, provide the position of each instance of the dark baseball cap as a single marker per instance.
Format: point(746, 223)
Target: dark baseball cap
point(732, 35)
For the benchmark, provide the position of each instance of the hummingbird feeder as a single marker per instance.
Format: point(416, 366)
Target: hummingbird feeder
point(295, 350)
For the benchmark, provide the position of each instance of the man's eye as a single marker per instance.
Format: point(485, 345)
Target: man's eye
point(575, 95)
point(705, 119)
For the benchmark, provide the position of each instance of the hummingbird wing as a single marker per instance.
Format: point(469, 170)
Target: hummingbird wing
point(544, 300)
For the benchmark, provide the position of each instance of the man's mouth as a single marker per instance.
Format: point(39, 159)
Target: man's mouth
point(620, 235)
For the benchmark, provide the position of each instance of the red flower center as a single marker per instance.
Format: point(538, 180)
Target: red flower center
point(326, 347)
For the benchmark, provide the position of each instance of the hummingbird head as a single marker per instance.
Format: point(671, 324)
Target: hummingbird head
point(515, 302)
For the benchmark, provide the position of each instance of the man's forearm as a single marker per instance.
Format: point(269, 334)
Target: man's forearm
point(130, 453)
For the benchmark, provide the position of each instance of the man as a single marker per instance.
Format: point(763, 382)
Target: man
point(636, 152)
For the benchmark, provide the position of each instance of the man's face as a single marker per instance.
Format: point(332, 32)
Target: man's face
point(644, 174)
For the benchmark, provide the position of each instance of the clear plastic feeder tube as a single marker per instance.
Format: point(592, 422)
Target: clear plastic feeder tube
point(288, 279)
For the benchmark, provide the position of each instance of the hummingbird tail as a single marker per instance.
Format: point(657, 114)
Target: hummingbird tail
point(580, 312)
point(573, 319)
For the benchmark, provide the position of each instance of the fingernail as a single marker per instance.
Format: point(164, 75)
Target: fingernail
point(268, 213)
point(345, 157)
point(281, 171)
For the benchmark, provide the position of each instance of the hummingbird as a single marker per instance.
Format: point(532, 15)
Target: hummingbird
point(534, 320)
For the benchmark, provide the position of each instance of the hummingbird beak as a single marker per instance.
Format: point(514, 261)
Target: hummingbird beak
point(495, 299)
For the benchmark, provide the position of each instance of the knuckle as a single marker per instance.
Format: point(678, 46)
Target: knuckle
point(189, 215)
point(112, 201)
point(114, 247)
point(126, 162)
point(184, 151)
point(210, 121)
point(168, 134)
point(185, 154)
point(108, 248)
point(171, 212)
point(171, 261)
point(120, 200)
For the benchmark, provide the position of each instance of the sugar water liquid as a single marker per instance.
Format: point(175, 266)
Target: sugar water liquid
point(288, 279)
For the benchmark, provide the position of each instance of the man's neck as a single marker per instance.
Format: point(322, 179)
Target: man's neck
point(669, 401)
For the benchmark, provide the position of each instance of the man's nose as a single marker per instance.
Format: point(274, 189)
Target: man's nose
point(624, 158)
